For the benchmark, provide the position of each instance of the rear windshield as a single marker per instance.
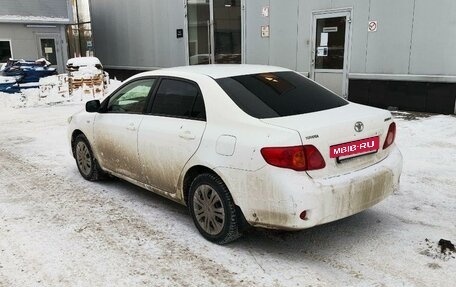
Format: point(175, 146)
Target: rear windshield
point(278, 94)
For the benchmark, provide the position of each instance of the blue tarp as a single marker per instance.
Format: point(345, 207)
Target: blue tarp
point(25, 72)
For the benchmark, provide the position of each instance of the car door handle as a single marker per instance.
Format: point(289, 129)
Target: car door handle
point(131, 127)
point(187, 135)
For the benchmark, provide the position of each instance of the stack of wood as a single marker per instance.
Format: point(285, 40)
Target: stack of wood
point(91, 83)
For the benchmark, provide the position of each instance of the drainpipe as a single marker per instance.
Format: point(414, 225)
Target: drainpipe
point(79, 29)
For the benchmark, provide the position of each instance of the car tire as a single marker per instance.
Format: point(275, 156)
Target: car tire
point(85, 160)
point(213, 209)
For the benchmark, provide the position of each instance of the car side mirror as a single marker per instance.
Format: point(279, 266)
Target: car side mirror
point(93, 106)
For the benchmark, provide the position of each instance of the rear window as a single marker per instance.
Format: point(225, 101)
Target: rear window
point(278, 94)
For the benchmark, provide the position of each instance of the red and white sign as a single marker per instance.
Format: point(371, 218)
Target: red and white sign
point(356, 147)
point(373, 25)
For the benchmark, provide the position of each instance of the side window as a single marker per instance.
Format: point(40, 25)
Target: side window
point(199, 111)
point(180, 99)
point(132, 98)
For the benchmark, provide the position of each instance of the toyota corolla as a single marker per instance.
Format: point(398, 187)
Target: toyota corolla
point(240, 144)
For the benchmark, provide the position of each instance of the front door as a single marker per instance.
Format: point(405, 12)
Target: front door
point(214, 31)
point(116, 129)
point(330, 50)
point(50, 48)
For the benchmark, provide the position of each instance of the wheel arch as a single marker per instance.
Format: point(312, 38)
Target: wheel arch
point(190, 175)
point(75, 134)
point(196, 170)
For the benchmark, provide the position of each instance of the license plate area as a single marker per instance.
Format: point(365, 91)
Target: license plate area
point(355, 148)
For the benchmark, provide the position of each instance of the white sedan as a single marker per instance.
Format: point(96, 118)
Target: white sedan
point(240, 145)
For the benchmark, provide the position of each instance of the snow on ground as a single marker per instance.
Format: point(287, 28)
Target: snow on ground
point(57, 229)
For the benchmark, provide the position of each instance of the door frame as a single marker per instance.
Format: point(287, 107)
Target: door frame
point(58, 48)
point(333, 13)
point(211, 29)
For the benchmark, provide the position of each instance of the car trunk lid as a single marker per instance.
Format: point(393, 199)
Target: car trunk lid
point(340, 134)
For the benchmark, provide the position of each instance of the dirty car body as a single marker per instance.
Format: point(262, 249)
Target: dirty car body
point(241, 144)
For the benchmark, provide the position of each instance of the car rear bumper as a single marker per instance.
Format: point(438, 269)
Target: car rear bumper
point(275, 198)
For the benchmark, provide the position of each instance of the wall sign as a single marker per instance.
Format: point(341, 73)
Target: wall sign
point(322, 52)
point(373, 25)
point(265, 31)
point(180, 33)
point(330, 29)
point(324, 39)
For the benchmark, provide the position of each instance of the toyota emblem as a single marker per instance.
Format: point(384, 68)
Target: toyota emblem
point(359, 127)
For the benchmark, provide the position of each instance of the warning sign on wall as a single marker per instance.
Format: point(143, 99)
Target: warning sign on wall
point(373, 25)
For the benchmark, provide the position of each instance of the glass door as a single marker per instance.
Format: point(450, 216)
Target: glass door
point(227, 31)
point(214, 31)
point(48, 50)
point(199, 32)
point(330, 52)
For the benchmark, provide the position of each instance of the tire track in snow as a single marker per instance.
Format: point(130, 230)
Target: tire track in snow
point(102, 225)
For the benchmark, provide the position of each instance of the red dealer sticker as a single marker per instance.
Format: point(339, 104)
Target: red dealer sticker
point(356, 147)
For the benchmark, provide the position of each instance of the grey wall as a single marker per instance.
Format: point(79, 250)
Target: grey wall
point(283, 45)
point(414, 37)
point(434, 38)
point(24, 42)
point(388, 49)
point(37, 8)
point(257, 48)
point(138, 34)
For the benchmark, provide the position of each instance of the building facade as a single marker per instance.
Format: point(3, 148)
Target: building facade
point(384, 53)
point(32, 29)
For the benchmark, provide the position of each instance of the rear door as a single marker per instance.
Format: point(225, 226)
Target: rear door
point(171, 132)
point(116, 129)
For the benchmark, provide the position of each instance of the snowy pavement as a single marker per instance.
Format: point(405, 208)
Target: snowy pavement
point(57, 229)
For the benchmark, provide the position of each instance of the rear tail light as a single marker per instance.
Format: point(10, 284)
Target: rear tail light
point(299, 158)
point(390, 136)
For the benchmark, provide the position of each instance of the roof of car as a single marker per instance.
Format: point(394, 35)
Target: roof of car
point(218, 71)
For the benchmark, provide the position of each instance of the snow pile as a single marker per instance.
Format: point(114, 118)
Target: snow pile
point(50, 93)
point(44, 62)
point(7, 80)
point(86, 72)
point(83, 62)
point(27, 98)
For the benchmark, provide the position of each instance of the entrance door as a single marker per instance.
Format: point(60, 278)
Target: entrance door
point(50, 48)
point(330, 52)
point(214, 31)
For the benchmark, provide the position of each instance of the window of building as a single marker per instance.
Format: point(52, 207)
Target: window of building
point(5, 51)
point(180, 99)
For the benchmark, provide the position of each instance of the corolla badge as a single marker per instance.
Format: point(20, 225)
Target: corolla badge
point(359, 127)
